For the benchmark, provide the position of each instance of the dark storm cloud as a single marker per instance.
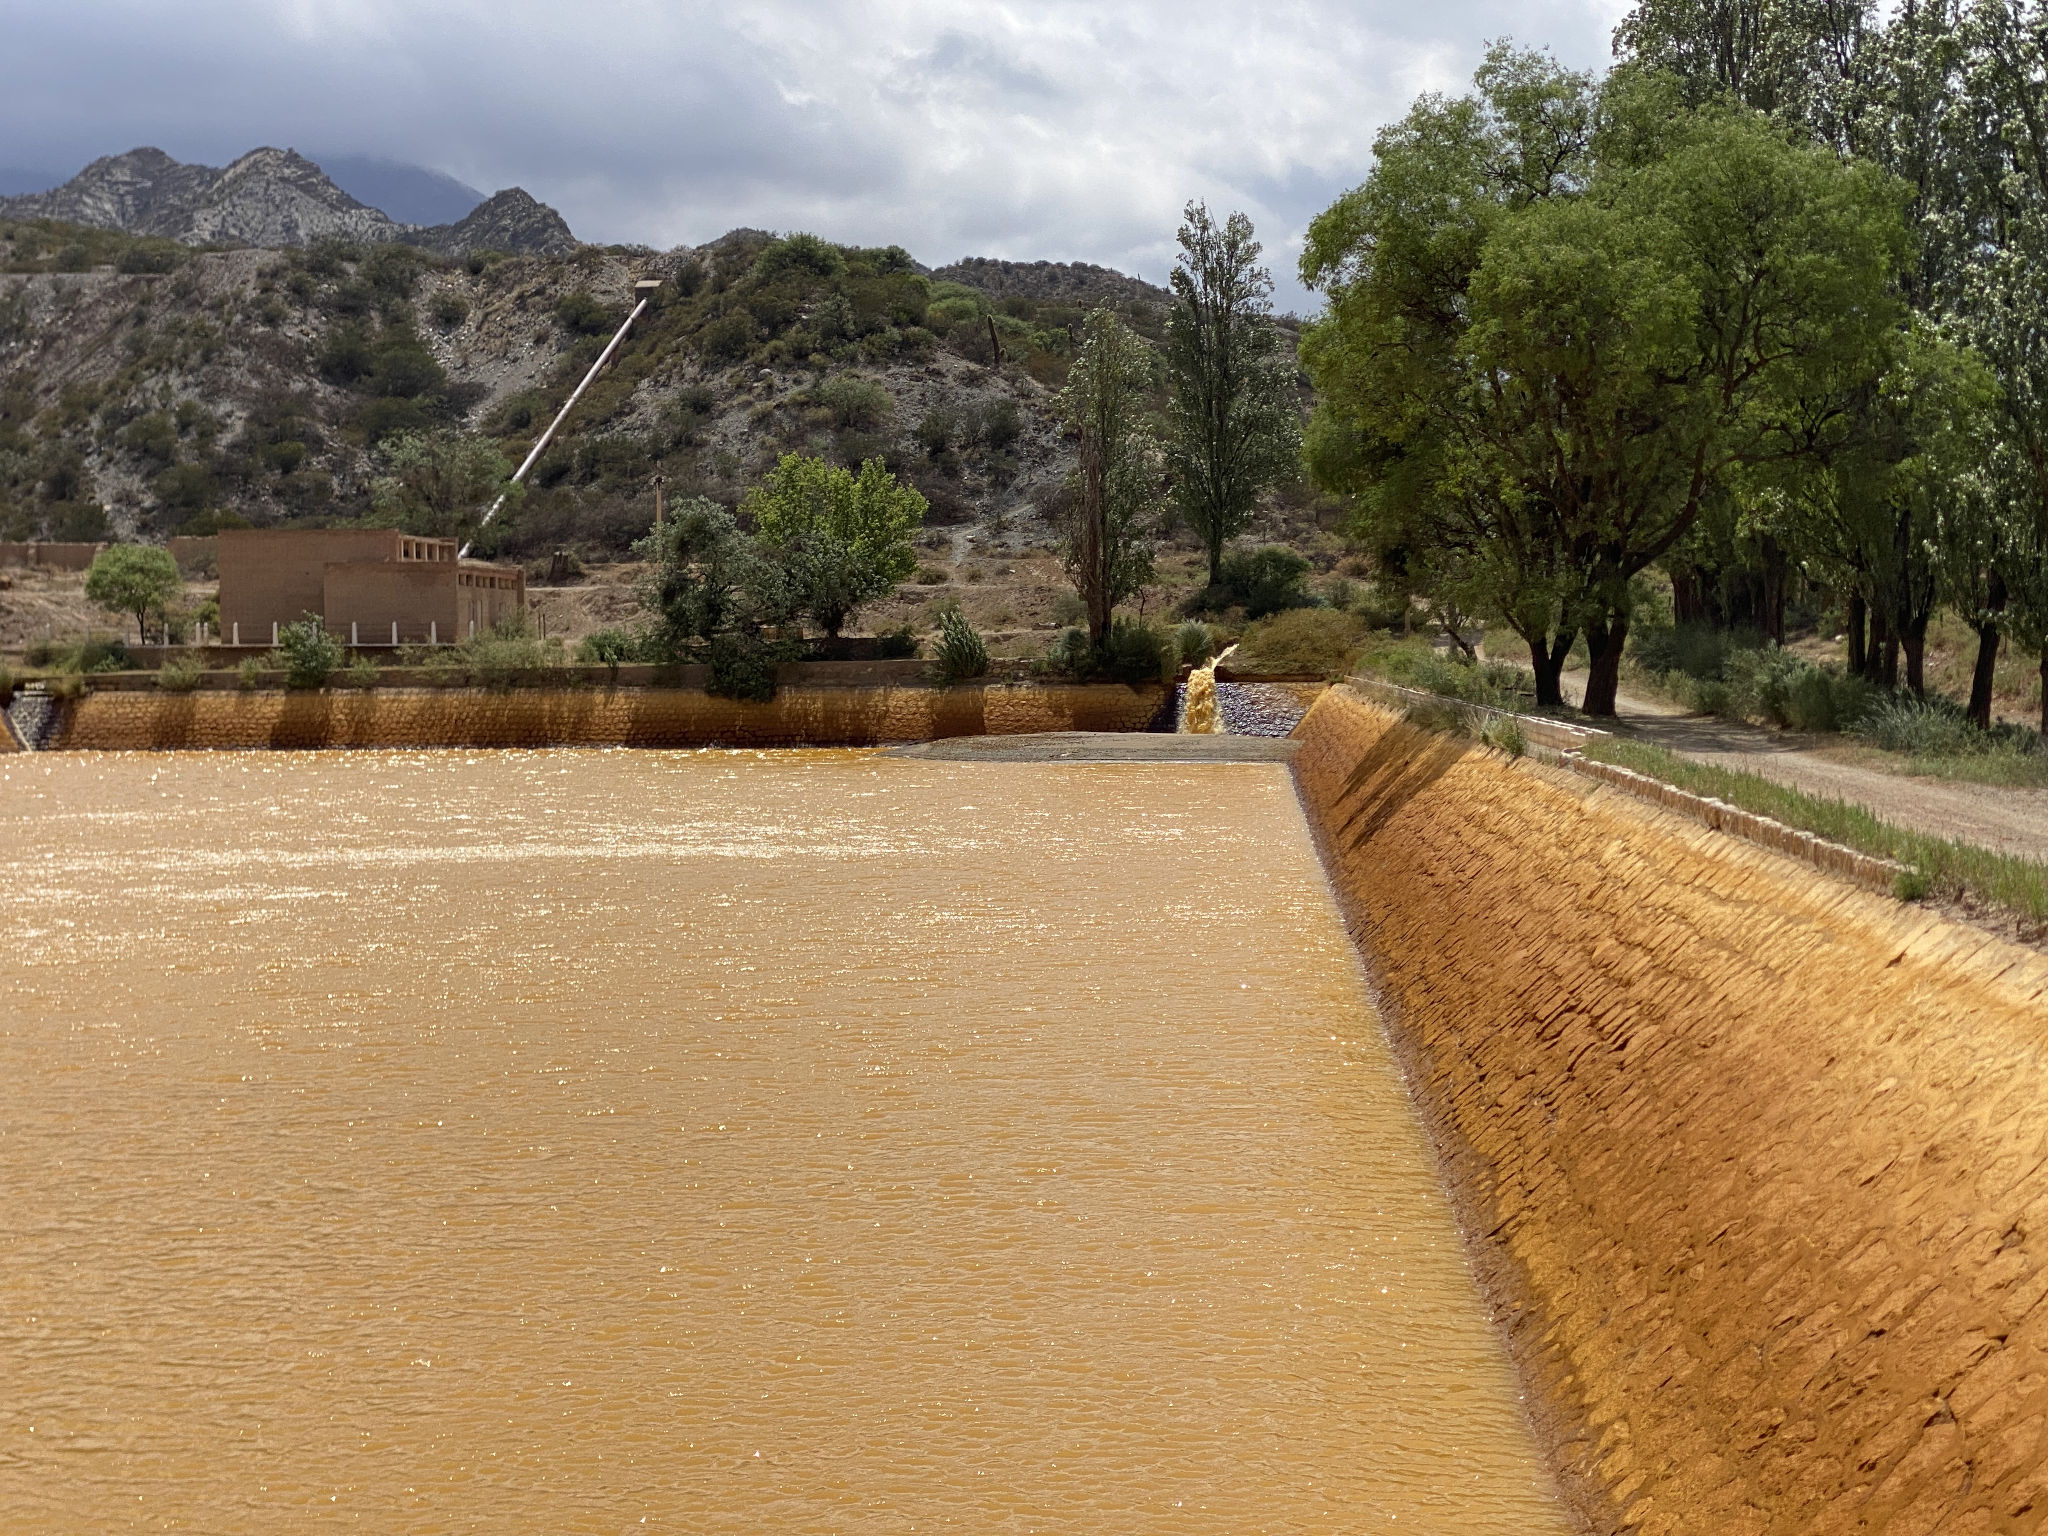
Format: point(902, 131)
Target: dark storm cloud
point(1064, 130)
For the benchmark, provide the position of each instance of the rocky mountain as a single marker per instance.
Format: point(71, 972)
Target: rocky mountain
point(272, 198)
point(411, 194)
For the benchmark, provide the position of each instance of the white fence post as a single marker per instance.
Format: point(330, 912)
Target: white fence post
point(353, 638)
point(433, 631)
point(394, 634)
point(238, 632)
point(273, 631)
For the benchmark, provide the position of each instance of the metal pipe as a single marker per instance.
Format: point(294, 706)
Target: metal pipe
point(548, 436)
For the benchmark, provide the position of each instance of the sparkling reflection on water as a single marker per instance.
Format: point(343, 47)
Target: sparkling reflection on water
point(743, 1142)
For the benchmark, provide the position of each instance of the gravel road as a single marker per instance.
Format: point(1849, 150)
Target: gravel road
point(2013, 821)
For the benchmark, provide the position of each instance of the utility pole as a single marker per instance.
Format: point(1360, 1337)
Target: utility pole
point(644, 291)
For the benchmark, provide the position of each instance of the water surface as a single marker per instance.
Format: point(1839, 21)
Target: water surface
point(800, 1142)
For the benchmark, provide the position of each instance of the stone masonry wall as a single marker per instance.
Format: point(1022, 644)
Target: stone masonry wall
point(1754, 1163)
point(590, 717)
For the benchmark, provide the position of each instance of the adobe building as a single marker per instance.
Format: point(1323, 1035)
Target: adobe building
point(371, 586)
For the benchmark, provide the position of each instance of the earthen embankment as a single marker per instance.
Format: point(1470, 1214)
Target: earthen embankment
point(131, 720)
point(1753, 1161)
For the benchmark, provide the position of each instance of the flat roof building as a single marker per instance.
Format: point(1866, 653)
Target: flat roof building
point(370, 586)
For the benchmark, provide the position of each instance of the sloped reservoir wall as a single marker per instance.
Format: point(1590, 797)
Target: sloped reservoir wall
point(591, 717)
point(1754, 1163)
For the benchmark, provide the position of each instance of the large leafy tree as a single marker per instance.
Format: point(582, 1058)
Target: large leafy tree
point(135, 579)
point(1114, 485)
point(706, 579)
point(1562, 317)
point(1233, 426)
point(843, 538)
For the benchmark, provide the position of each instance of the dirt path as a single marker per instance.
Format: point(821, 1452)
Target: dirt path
point(2009, 820)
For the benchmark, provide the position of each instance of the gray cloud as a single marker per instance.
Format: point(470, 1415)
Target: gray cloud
point(1064, 130)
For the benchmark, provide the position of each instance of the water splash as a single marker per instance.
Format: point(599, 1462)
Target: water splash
point(1200, 713)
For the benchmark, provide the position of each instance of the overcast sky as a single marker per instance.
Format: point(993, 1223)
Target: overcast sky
point(1060, 130)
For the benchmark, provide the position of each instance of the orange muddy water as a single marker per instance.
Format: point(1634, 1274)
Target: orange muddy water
point(799, 1142)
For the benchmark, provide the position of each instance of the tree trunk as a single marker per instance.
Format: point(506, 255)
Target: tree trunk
point(1548, 664)
point(1914, 639)
point(1094, 543)
point(2044, 688)
point(1774, 577)
point(1216, 557)
point(1981, 677)
point(1986, 669)
point(1857, 650)
point(1688, 596)
point(1604, 643)
point(1890, 677)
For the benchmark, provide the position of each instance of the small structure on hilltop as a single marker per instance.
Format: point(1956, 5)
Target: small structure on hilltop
point(370, 586)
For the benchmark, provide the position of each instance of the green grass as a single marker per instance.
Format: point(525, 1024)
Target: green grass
point(1948, 867)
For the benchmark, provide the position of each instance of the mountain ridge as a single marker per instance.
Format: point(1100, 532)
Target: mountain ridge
point(274, 198)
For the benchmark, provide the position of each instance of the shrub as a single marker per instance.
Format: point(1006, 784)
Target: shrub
point(249, 673)
point(1197, 642)
point(742, 667)
point(448, 310)
point(1068, 610)
point(609, 647)
point(1699, 651)
point(499, 659)
point(360, 673)
point(1134, 652)
point(1320, 641)
point(899, 644)
point(83, 657)
point(1788, 690)
point(582, 315)
point(181, 676)
point(1260, 581)
point(929, 576)
point(960, 653)
point(1939, 728)
point(1413, 664)
point(853, 402)
point(308, 654)
point(1505, 735)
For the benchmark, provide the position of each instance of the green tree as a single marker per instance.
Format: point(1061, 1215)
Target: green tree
point(1107, 553)
point(1562, 318)
point(134, 579)
point(842, 538)
point(707, 579)
point(1233, 426)
point(437, 483)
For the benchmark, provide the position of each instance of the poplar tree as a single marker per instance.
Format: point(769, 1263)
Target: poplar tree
point(1112, 490)
point(1234, 427)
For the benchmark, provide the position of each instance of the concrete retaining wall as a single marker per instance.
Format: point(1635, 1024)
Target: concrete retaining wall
point(590, 717)
point(1754, 1162)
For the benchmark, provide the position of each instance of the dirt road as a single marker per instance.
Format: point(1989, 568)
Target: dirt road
point(2011, 821)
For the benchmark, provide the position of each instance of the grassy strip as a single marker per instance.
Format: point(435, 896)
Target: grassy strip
point(1947, 866)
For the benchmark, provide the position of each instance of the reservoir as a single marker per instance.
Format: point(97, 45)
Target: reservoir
point(713, 1142)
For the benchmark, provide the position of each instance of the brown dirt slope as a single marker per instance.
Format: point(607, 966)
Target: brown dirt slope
point(1752, 1160)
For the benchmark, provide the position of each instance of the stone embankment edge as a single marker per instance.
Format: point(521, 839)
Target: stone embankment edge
point(1560, 742)
point(1749, 1162)
point(799, 716)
